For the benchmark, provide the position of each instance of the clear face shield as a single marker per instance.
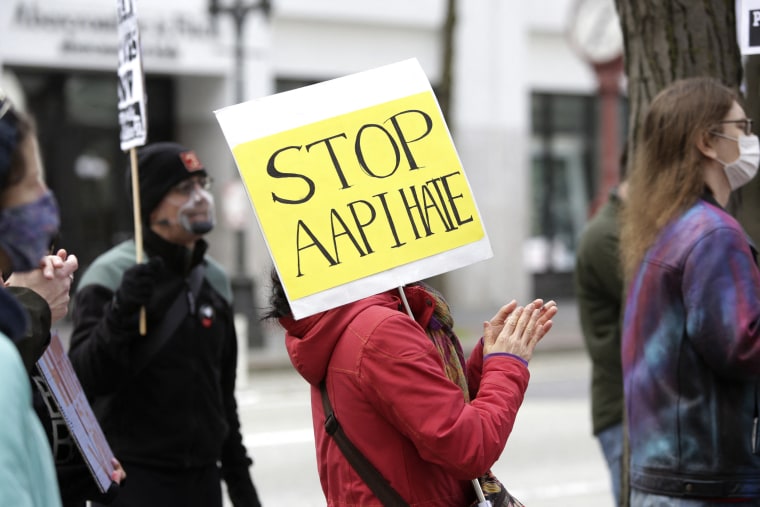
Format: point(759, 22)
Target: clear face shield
point(197, 214)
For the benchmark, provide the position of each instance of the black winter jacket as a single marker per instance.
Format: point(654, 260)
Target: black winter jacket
point(179, 411)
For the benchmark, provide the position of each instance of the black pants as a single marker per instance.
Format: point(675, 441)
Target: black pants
point(157, 487)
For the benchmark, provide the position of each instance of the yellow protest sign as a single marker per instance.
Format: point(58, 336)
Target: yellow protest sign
point(354, 195)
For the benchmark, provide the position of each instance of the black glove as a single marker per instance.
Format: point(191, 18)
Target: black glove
point(137, 286)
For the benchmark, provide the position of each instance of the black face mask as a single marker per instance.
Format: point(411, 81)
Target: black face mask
point(26, 231)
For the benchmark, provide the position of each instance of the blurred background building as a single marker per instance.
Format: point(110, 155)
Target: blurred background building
point(522, 106)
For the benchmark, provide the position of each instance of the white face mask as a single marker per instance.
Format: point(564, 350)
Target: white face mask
point(189, 217)
point(743, 169)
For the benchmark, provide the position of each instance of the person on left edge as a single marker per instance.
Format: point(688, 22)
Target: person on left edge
point(28, 220)
point(44, 294)
point(166, 400)
point(40, 285)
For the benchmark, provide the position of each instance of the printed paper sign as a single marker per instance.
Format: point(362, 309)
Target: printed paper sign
point(133, 113)
point(748, 26)
point(356, 185)
point(68, 405)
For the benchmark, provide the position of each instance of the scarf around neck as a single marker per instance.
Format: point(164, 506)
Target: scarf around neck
point(440, 330)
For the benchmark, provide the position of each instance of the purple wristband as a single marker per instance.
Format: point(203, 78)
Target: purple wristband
point(506, 354)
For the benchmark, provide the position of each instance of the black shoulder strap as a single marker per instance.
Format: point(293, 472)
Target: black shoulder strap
point(179, 309)
point(369, 474)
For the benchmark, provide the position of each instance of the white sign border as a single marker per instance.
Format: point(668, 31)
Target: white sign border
point(351, 93)
point(742, 29)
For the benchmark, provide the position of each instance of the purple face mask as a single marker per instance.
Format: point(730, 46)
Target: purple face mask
point(26, 231)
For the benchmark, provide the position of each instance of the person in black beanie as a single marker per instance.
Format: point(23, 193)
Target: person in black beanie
point(165, 400)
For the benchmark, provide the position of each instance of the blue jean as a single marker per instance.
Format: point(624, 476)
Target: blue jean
point(611, 442)
point(641, 499)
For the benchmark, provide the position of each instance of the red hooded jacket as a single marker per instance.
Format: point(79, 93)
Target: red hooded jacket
point(390, 393)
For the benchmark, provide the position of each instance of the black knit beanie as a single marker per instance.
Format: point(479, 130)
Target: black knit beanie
point(161, 166)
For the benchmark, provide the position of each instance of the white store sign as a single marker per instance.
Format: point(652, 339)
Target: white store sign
point(83, 35)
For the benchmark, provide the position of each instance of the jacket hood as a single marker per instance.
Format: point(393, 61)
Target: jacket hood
point(310, 341)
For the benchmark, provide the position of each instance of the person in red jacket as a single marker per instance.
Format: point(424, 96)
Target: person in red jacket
point(404, 395)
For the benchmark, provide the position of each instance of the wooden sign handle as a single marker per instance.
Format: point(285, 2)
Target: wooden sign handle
point(138, 225)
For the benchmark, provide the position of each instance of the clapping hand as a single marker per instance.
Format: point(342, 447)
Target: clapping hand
point(516, 329)
point(52, 281)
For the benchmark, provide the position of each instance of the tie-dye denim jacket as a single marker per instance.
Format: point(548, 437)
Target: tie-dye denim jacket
point(691, 360)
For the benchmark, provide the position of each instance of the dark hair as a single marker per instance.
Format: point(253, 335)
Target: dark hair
point(278, 301)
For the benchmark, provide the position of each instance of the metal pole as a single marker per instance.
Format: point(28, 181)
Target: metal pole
point(608, 77)
point(239, 15)
point(242, 285)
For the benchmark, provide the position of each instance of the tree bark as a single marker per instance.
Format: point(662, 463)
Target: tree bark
point(447, 53)
point(444, 93)
point(745, 202)
point(667, 40)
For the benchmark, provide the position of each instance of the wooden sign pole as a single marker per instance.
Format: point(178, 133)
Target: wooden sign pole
point(138, 224)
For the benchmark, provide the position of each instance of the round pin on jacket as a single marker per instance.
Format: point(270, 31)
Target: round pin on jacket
point(206, 315)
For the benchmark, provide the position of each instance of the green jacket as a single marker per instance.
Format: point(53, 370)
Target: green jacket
point(599, 290)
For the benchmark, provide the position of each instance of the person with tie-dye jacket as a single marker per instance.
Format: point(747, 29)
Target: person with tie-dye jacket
point(691, 329)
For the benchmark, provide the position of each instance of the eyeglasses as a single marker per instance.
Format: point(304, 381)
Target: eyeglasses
point(187, 187)
point(745, 124)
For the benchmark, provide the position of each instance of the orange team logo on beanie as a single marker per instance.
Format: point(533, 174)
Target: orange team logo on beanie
point(190, 159)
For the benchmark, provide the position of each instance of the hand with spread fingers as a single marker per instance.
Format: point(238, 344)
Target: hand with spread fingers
point(516, 329)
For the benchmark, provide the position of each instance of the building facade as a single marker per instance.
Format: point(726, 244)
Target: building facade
point(523, 114)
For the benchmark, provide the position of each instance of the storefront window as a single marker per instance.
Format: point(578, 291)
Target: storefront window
point(78, 128)
point(564, 179)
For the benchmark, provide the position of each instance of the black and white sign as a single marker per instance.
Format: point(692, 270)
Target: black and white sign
point(133, 113)
point(748, 26)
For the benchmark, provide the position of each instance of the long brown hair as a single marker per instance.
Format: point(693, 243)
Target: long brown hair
point(667, 175)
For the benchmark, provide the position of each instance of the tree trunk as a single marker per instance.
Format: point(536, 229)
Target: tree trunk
point(746, 200)
point(444, 92)
point(666, 40)
point(447, 64)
